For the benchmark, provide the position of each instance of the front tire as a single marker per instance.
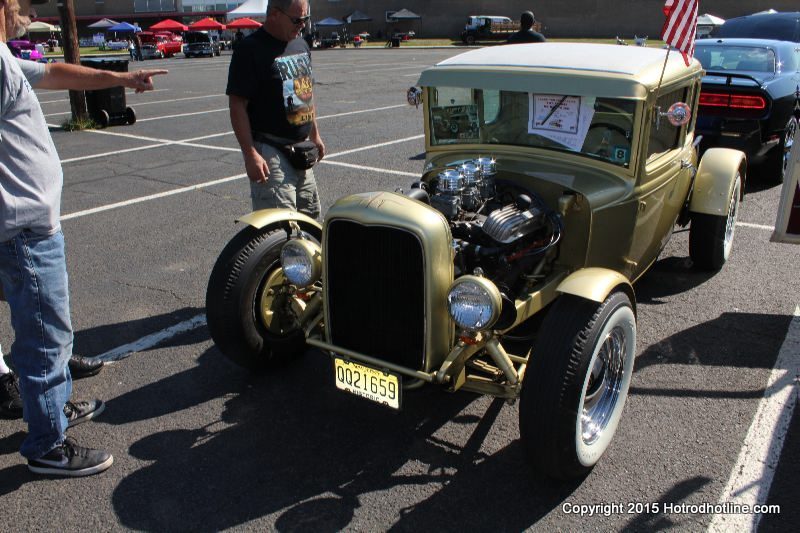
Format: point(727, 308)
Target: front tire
point(575, 388)
point(250, 318)
point(711, 236)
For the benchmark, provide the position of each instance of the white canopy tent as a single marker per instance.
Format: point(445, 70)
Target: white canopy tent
point(706, 24)
point(43, 27)
point(250, 8)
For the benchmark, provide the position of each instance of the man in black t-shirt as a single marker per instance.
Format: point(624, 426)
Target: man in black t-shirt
point(270, 97)
point(526, 33)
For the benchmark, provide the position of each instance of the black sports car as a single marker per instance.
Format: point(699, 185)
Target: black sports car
point(749, 99)
point(783, 26)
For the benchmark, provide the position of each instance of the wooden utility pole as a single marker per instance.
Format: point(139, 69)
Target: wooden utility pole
point(72, 54)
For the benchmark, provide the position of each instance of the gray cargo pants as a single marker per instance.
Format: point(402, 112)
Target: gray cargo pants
point(286, 186)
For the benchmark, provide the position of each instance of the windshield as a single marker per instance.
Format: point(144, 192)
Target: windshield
point(596, 127)
point(727, 57)
point(192, 38)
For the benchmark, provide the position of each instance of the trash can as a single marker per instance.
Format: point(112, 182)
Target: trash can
point(107, 107)
point(395, 42)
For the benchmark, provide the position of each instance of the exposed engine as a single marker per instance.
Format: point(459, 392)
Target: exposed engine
point(499, 227)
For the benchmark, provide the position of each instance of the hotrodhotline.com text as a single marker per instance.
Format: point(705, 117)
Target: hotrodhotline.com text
point(609, 509)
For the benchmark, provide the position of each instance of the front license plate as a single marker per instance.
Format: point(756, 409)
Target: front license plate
point(375, 385)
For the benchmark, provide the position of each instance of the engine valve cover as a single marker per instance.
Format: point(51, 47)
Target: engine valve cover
point(508, 224)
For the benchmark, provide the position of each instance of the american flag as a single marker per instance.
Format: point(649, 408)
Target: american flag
point(680, 26)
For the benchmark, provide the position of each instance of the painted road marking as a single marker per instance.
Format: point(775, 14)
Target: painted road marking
point(191, 188)
point(752, 475)
point(151, 103)
point(153, 339)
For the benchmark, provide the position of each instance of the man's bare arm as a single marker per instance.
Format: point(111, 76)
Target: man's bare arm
point(80, 78)
point(257, 169)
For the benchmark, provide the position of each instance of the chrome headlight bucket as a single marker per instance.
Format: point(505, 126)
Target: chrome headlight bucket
point(301, 261)
point(474, 303)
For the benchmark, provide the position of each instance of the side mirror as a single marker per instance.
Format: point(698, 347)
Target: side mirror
point(414, 96)
point(678, 114)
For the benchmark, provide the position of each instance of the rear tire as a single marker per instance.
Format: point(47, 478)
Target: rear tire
point(576, 385)
point(245, 321)
point(779, 160)
point(711, 236)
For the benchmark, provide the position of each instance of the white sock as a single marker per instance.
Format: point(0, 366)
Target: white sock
point(3, 367)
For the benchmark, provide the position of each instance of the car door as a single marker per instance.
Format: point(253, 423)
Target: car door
point(663, 186)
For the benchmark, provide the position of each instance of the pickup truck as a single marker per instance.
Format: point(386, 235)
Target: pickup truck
point(159, 45)
point(488, 28)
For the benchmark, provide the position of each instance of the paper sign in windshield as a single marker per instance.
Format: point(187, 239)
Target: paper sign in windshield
point(561, 118)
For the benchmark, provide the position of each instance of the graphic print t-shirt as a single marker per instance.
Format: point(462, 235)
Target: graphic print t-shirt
point(275, 78)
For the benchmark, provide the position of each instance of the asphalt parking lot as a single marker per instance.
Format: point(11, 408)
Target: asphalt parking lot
point(202, 445)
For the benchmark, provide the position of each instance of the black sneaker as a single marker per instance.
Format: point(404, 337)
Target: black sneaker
point(77, 412)
point(10, 400)
point(83, 367)
point(69, 459)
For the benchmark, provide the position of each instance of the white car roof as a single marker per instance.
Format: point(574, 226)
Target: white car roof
point(512, 66)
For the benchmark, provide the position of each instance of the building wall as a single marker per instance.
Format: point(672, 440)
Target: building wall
point(560, 18)
point(446, 18)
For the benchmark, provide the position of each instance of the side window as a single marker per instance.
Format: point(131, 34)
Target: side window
point(491, 105)
point(663, 135)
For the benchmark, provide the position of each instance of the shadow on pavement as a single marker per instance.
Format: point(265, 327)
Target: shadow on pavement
point(95, 341)
point(289, 444)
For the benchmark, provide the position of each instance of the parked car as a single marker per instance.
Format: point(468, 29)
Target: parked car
point(158, 45)
point(780, 26)
point(508, 268)
point(200, 43)
point(750, 99)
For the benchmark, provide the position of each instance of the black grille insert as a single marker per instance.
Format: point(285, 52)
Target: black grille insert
point(375, 292)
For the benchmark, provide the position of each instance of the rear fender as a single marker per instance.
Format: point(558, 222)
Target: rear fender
point(267, 217)
point(597, 284)
point(714, 182)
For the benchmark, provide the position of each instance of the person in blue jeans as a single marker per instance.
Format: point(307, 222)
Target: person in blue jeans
point(33, 269)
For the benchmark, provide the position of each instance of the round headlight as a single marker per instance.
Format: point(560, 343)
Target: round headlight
point(302, 262)
point(474, 303)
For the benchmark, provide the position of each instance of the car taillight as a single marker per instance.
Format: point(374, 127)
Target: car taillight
point(734, 101)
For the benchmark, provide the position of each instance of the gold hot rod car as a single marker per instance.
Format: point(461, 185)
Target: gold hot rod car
point(508, 268)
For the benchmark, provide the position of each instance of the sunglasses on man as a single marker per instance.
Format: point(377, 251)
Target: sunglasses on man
point(294, 20)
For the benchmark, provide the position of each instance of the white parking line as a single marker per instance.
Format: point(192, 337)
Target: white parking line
point(188, 142)
point(153, 339)
point(138, 104)
point(755, 226)
point(371, 169)
point(754, 471)
point(206, 184)
point(62, 100)
point(156, 196)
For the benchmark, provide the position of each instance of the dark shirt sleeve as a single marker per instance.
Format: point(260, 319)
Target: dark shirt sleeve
point(241, 73)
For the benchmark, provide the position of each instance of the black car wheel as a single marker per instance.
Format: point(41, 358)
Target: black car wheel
point(711, 236)
point(779, 161)
point(575, 388)
point(252, 320)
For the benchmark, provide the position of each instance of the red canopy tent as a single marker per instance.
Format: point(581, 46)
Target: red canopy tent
point(169, 25)
point(243, 24)
point(206, 24)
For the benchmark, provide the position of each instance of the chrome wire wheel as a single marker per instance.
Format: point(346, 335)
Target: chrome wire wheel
point(733, 213)
point(788, 141)
point(603, 387)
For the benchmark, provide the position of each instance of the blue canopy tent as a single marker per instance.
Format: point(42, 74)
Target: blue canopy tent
point(124, 27)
